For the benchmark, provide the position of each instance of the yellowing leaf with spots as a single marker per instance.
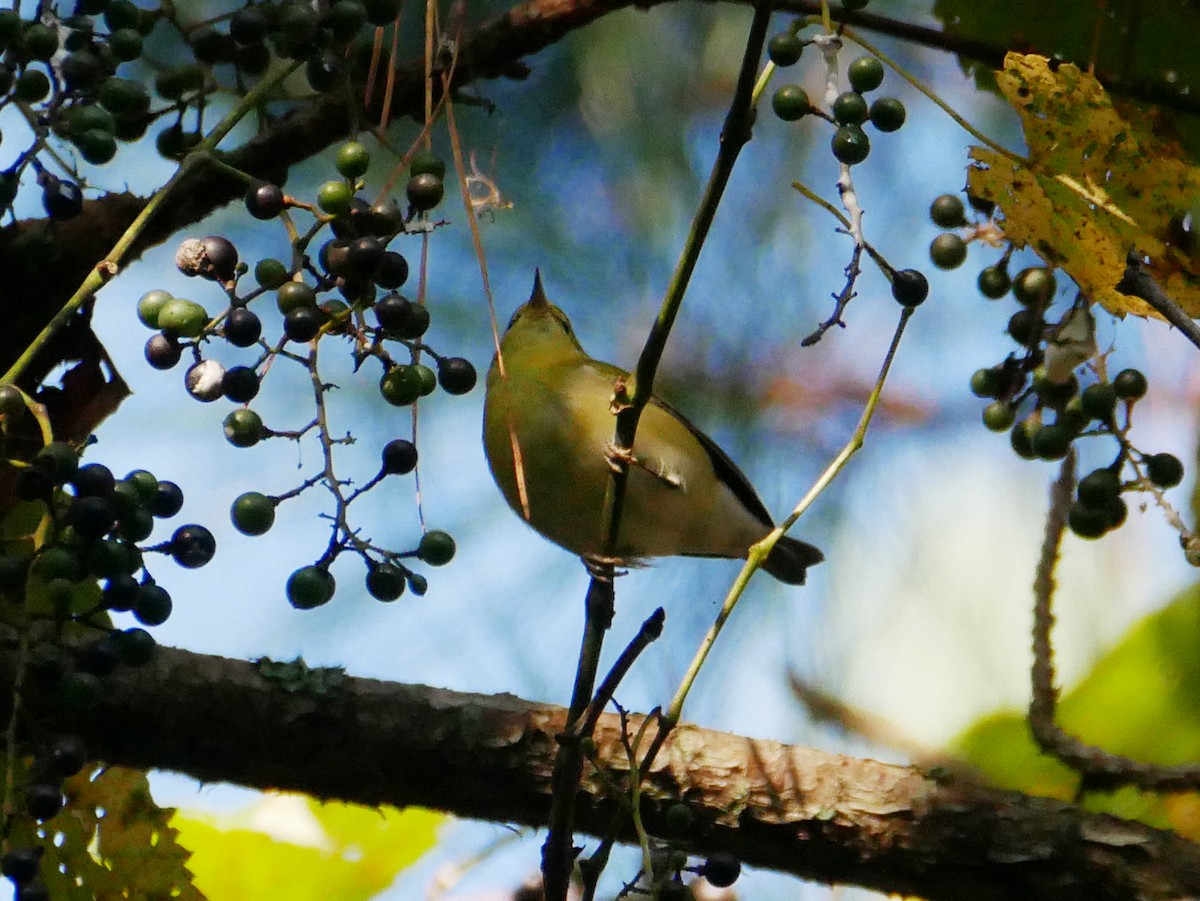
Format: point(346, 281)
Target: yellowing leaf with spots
point(1098, 184)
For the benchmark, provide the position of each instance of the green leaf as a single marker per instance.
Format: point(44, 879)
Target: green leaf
point(1151, 678)
point(290, 846)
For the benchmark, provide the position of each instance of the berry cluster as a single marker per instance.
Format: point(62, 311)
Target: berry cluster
point(42, 796)
point(1036, 394)
point(69, 557)
point(349, 291)
point(89, 560)
point(849, 111)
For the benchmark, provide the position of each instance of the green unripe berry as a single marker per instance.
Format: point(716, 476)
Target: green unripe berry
point(426, 162)
point(335, 198)
point(253, 513)
point(149, 305)
point(401, 385)
point(948, 211)
point(385, 582)
point(271, 274)
point(679, 820)
point(294, 296)
point(1051, 441)
point(790, 102)
point(849, 108)
point(1098, 488)
point(1054, 393)
point(865, 74)
point(987, 383)
point(994, 282)
point(1020, 440)
point(310, 586)
point(353, 159)
point(1035, 286)
point(32, 85)
point(784, 49)
point(947, 251)
point(181, 318)
point(850, 145)
point(888, 114)
point(1087, 522)
point(1100, 401)
point(243, 428)
point(998, 416)
point(436, 548)
point(428, 379)
point(1025, 327)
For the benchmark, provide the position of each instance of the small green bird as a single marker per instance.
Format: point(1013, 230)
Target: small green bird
point(548, 430)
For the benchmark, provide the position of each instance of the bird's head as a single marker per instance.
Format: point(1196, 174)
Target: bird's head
point(539, 331)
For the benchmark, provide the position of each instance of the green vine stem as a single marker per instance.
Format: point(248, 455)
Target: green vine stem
point(110, 266)
point(759, 551)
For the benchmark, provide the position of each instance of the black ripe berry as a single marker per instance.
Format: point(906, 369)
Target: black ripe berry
point(392, 271)
point(1164, 470)
point(240, 384)
point(385, 582)
point(264, 200)
point(1129, 384)
point(21, 864)
point(242, 327)
point(163, 352)
point(43, 800)
point(721, 869)
point(399, 457)
point(909, 287)
point(192, 546)
point(167, 500)
point(456, 375)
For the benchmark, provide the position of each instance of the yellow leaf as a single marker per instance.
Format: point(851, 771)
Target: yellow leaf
point(289, 846)
point(1101, 184)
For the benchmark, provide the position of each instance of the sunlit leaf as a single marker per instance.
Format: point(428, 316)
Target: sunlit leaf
point(287, 846)
point(1151, 678)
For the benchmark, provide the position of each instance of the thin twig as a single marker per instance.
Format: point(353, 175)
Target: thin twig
point(1138, 282)
point(1098, 769)
point(557, 852)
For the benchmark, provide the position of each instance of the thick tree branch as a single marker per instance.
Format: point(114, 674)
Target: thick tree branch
point(819, 816)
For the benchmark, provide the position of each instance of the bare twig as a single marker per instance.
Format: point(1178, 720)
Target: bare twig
point(1138, 282)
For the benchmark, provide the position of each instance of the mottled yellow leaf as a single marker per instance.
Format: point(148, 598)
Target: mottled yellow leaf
point(1100, 184)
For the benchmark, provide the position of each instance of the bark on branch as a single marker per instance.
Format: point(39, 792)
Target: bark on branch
point(819, 816)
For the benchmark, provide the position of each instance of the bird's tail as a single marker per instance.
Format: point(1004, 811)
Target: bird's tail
point(789, 560)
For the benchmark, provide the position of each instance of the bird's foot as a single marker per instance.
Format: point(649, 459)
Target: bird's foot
point(604, 568)
point(619, 458)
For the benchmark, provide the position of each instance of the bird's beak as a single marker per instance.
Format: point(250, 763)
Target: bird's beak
point(538, 297)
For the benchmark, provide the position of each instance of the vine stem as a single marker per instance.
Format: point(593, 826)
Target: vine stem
point(107, 269)
point(759, 551)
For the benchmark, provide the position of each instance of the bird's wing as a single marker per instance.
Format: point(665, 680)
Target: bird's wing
point(727, 471)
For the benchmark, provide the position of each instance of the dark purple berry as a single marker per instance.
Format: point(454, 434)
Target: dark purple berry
point(242, 327)
point(399, 457)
